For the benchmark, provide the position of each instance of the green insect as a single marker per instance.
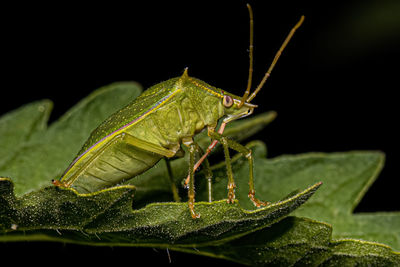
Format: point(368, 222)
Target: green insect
point(157, 123)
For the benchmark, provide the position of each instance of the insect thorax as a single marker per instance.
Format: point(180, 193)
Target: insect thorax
point(186, 113)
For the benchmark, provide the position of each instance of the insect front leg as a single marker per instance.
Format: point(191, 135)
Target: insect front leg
point(246, 152)
point(231, 183)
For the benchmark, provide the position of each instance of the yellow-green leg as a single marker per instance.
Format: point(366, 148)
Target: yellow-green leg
point(231, 183)
point(246, 152)
point(208, 172)
point(191, 192)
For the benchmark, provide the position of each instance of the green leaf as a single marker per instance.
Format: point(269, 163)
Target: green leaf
point(383, 227)
point(300, 242)
point(346, 177)
point(106, 217)
point(361, 253)
point(18, 126)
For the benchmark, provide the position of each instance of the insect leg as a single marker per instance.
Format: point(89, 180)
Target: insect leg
point(208, 172)
point(231, 182)
point(147, 145)
point(191, 192)
point(174, 189)
point(246, 152)
point(209, 149)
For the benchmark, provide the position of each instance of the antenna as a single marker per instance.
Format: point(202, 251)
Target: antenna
point(277, 55)
point(251, 47)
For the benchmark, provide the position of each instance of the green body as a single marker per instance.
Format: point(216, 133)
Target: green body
point(153, 126)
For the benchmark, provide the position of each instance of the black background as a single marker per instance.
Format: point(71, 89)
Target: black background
point(334, 87)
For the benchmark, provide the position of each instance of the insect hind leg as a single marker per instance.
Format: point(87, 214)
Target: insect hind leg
point(207, 168)
point(208, 172)
point(191, 192)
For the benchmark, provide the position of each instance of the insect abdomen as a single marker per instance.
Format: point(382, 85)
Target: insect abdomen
point(108, 165)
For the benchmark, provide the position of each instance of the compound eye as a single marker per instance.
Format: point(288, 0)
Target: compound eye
point(227, 101)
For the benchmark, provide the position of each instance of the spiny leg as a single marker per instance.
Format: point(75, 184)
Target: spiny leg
point(191, 193)
point(231, 183)
point(207, 167)
point(246, 152)
point(209, 149)
point(208, 172)
point(174, 189)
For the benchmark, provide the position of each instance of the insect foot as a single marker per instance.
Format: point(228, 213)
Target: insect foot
point(191, 208)
point(231, 193)
point(258, 203)
point(58, 183)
